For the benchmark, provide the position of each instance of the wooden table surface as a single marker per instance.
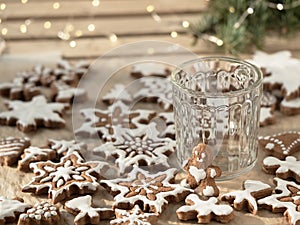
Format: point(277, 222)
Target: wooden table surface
point(130, 21)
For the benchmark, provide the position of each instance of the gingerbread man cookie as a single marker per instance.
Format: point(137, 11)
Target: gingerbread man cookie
point(284, 169)
point(253, 190)
point(204, 210)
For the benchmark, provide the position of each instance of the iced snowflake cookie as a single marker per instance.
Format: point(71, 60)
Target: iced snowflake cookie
point(11, 148)
point(282, 144)
point(67, 94)
point(204, 210)
point(27, 116)
point(142, 148)
point(68, 177)
point(246, 198)
point(41, 214)
point(85, 212)
point(64, 147)
point(284, 72)
point(155, 89)
point(134, 216)
point(117, 93)
point(149, 69)
point(10, 209)
point(151, 191)
point(284, 169)
point(103, 122)
point(35, 154)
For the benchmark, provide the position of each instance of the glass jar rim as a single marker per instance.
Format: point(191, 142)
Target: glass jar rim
point(254, 68)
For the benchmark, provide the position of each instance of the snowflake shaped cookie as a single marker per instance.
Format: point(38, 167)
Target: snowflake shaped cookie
point(141, 148)
point(287, 168)
point(152, 191)
point(104, 122)
point(41, 214)
point(11, 148)
point(204, 210)
point(35, 154)
point(62, 179)
point(27, 116)
point(117, 93)
point(64, 147)
point(267, 116)
point(85, 213)
point(66, 94)
point(253, 189)
point(10, 209)
point(284, 72)
point(156, 89)
point(146, 69)
point(134, 216)
point(282, 144)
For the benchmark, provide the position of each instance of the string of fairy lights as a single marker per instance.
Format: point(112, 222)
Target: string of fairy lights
point(69, 33)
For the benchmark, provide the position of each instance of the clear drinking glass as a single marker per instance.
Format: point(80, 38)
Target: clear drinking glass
point(217, 102)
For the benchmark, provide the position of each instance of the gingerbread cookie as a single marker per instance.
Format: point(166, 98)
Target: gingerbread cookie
point(204, 210)
point(146, 69)
point(282, 198)
point(284, 169)
point(291, 107)
point(64, 147)
point(252, 190)
point(35, 154)
point(103, 122)
point(61, 180)
point(284, 70)
point(268, 100)
point(134, 216)
point(85, 213)
point(167, 123)
point(41, 214)
point(293, 216)
point(67, 94)
point(11, 148)
point(282, 144)
point(117, 93)
point(142, 148)
point(10, 209)
point(151, 191)
point(267, 116)
point(27, 116)
point(155, 89)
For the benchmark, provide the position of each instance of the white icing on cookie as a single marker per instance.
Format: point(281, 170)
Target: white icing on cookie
point(117, 93)
point(28, 113)
point(140, 182)
point(250, 186)
point(289, 165)
point(83, 208)
point(198, 174)
point(61, 178)
point(150, 69)
point(134, 216)
point(64, 147)
point(142, 147)
point(66, 93)
point(204, 207)
point(9, 207)
point(104, 122)
point(266, 114)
